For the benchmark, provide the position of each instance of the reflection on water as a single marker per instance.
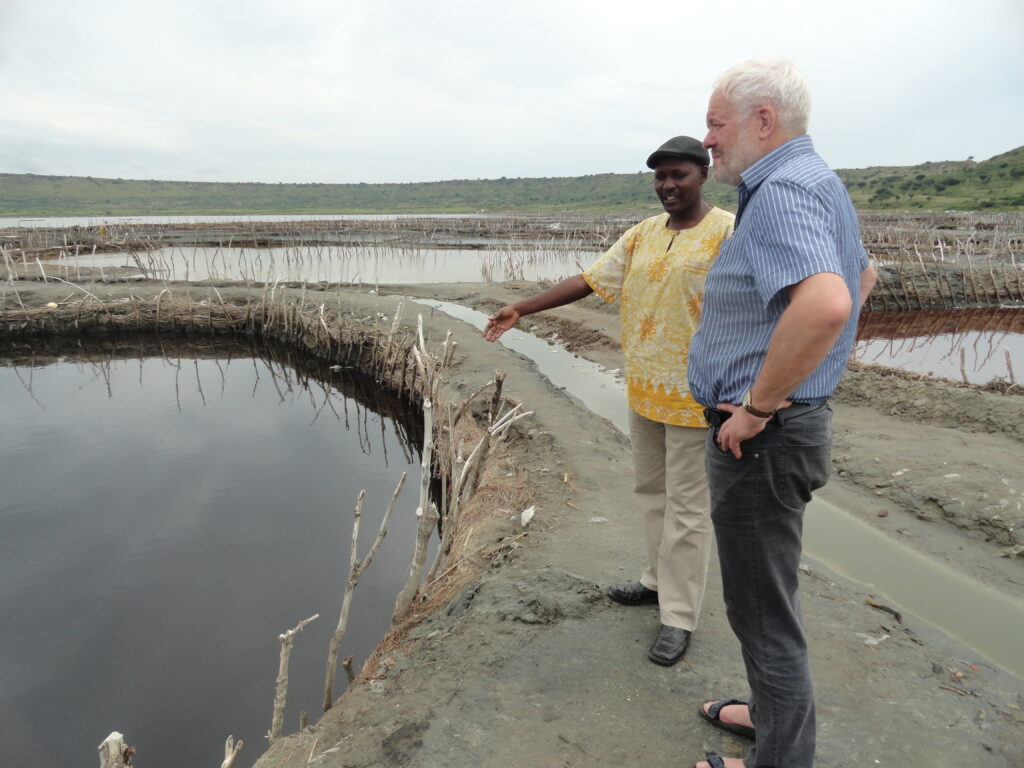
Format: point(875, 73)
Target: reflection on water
point(370, 263)
point(166, 513)
point(945, 343)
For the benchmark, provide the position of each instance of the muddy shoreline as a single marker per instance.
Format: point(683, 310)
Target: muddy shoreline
point(528, 664)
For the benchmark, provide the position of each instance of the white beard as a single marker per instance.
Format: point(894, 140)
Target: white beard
point(743, 155)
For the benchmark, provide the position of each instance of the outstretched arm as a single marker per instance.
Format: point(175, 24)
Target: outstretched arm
point(569, 290)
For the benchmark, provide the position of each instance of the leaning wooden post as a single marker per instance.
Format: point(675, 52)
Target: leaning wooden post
point(426, 514)
point(114, 753)
point(281, 694)
point(425, 527)
point(355, 570)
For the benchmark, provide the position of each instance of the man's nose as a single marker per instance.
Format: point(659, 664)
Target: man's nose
point(709, 140)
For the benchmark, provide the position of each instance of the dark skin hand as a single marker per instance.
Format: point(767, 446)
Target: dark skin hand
point(569, 290)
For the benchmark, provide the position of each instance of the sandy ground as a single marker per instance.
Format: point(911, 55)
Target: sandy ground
point(530, 665)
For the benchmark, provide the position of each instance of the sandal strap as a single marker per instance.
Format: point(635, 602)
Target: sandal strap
point(714, 760)
point(715, 708)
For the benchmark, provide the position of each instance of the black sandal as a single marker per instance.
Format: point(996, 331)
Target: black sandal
point(714, 760)
point(714, 711)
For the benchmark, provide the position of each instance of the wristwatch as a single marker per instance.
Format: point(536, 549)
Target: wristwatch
point(749, 408)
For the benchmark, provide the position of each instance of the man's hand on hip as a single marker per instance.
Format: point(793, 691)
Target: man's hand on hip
point(737, 428)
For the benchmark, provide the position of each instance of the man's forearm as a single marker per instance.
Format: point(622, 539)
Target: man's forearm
point(818, 310)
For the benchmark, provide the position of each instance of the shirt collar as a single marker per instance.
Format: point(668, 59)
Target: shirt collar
point(765, 166)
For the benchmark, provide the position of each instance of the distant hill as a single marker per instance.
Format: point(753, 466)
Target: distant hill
point(995, 184)
point(31, 195)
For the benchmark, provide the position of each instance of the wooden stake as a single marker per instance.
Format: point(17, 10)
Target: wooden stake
point(427, 517)
point(355, 570)
point(114, 753)
point(425, 527)
point(281, 694)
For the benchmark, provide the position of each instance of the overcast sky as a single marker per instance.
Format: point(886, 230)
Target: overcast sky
point(424, 90)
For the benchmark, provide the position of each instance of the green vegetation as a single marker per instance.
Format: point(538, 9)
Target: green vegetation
point(995, 184)
point(31, 195)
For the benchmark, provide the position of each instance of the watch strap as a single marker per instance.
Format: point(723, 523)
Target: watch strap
point(749, 408)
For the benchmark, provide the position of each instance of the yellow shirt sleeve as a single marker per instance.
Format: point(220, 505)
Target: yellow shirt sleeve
point(607, 274)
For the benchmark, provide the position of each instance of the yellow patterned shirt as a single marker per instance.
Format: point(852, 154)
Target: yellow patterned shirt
point(658, 275)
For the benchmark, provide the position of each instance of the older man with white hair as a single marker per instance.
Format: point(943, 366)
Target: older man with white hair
point(779, 318)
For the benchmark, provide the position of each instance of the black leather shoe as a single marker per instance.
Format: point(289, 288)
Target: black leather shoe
point(669, 646)
point(632, 594)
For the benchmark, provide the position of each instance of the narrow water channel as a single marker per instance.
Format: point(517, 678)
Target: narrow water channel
point(977, 616)
point(168, 511)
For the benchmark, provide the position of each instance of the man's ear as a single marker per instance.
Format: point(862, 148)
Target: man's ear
point(767, 120)
point(703, 174)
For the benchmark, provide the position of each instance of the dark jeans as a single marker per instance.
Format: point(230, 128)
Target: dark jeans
point(757, 506)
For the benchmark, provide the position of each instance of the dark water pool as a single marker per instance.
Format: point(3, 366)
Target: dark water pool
point(165, 513)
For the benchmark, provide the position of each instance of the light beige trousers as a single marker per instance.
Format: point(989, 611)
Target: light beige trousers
point(671, 491)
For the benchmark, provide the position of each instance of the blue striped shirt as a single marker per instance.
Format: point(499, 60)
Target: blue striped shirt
point(795, 220)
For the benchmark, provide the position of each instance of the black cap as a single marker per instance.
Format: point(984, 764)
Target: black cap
point(680, 148)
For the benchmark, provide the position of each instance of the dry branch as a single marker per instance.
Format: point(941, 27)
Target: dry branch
point(427, 520)
point(114, 753)
point(231, 750)
point(355, 570)
point(469, 400)
point(281, 694)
